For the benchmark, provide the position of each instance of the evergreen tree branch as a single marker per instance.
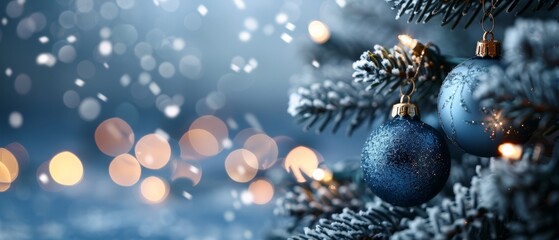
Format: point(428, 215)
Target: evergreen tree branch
point(526, 192)
point(461, 218)
point(379, 221)
point(527, 88)
point(306, 203)
point(453, 11)
point(333, 103)
point(385, 70)
point(515, 200)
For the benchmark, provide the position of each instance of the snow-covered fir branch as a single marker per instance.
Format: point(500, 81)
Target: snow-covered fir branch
point(512, 199)
point(385, 70)
point(460, 218)
point(454, 12)
point(333, 103)
point(378, 220)
point(304, 204)
point(526, 193)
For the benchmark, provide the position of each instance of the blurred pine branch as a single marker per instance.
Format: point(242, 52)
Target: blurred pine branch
point(527, 88)
point(454, 11)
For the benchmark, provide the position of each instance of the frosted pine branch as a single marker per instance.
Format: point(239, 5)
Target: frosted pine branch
point(527, 193)
point(333, 103)
point(385, 70)
point(305, 203)
point(460, 218)
point(527, 89)
point(378, 221)
point(454, 11)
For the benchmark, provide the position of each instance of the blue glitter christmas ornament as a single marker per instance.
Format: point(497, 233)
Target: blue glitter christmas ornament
point(405, 161)
point(476, 130)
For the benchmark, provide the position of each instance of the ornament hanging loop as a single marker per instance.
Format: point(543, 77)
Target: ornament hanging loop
point(405, 107)
point(488, 47)
point(492, 22)
point(411, 91)
point(491, 36)
point(404, 97)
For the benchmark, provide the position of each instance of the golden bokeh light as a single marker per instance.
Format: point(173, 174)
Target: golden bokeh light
point(5, 176)
point(154, 189)
point(241, 165)
point(323, 175)
point(187, 170)
point(197, 144)
point(264, 148)
point(301, 160)
point(114, 137)
point(262, 191)
point(510, 151)
point(66, 169)
point(213, 125)
point(125, 170)
point(4, 187)
point(153, 151)
point(406, 40)
point(318, 174)
point(319, 32)
point(10, 162)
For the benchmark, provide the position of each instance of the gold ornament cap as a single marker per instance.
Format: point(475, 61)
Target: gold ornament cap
point(488, 48)
point(405, 109)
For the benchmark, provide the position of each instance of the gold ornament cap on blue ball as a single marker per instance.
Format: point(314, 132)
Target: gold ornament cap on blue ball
point(405, 109)
point(488, 48)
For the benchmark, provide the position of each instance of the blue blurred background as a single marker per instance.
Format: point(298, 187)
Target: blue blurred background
point(68, 65)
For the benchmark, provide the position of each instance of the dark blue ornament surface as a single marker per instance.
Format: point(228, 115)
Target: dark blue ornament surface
point(476, 130)
point(405, 161)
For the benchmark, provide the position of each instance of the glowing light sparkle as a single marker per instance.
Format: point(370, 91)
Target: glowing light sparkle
point(341, 3)
point(319, 32)
point(510, 151)
point(10, 164)
point(79, 82)
point(315, 64)
point(264, 148)
point(203, 10)
point(240, 4)
point(244, 36)
point(66, 169)
point(172, 111)
point(15, 119)
point(154, 189)
point(323, 175)
point(262, 191)
point(198, 144)
point(125, 170)
point(301, 160)
point(241, 165)
point(281, 18)
point(290, 26)
point(46, 59)
point(5, 176)
point(153, 151)
point(105, 48)
point(286, 37)
point(114, 137)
